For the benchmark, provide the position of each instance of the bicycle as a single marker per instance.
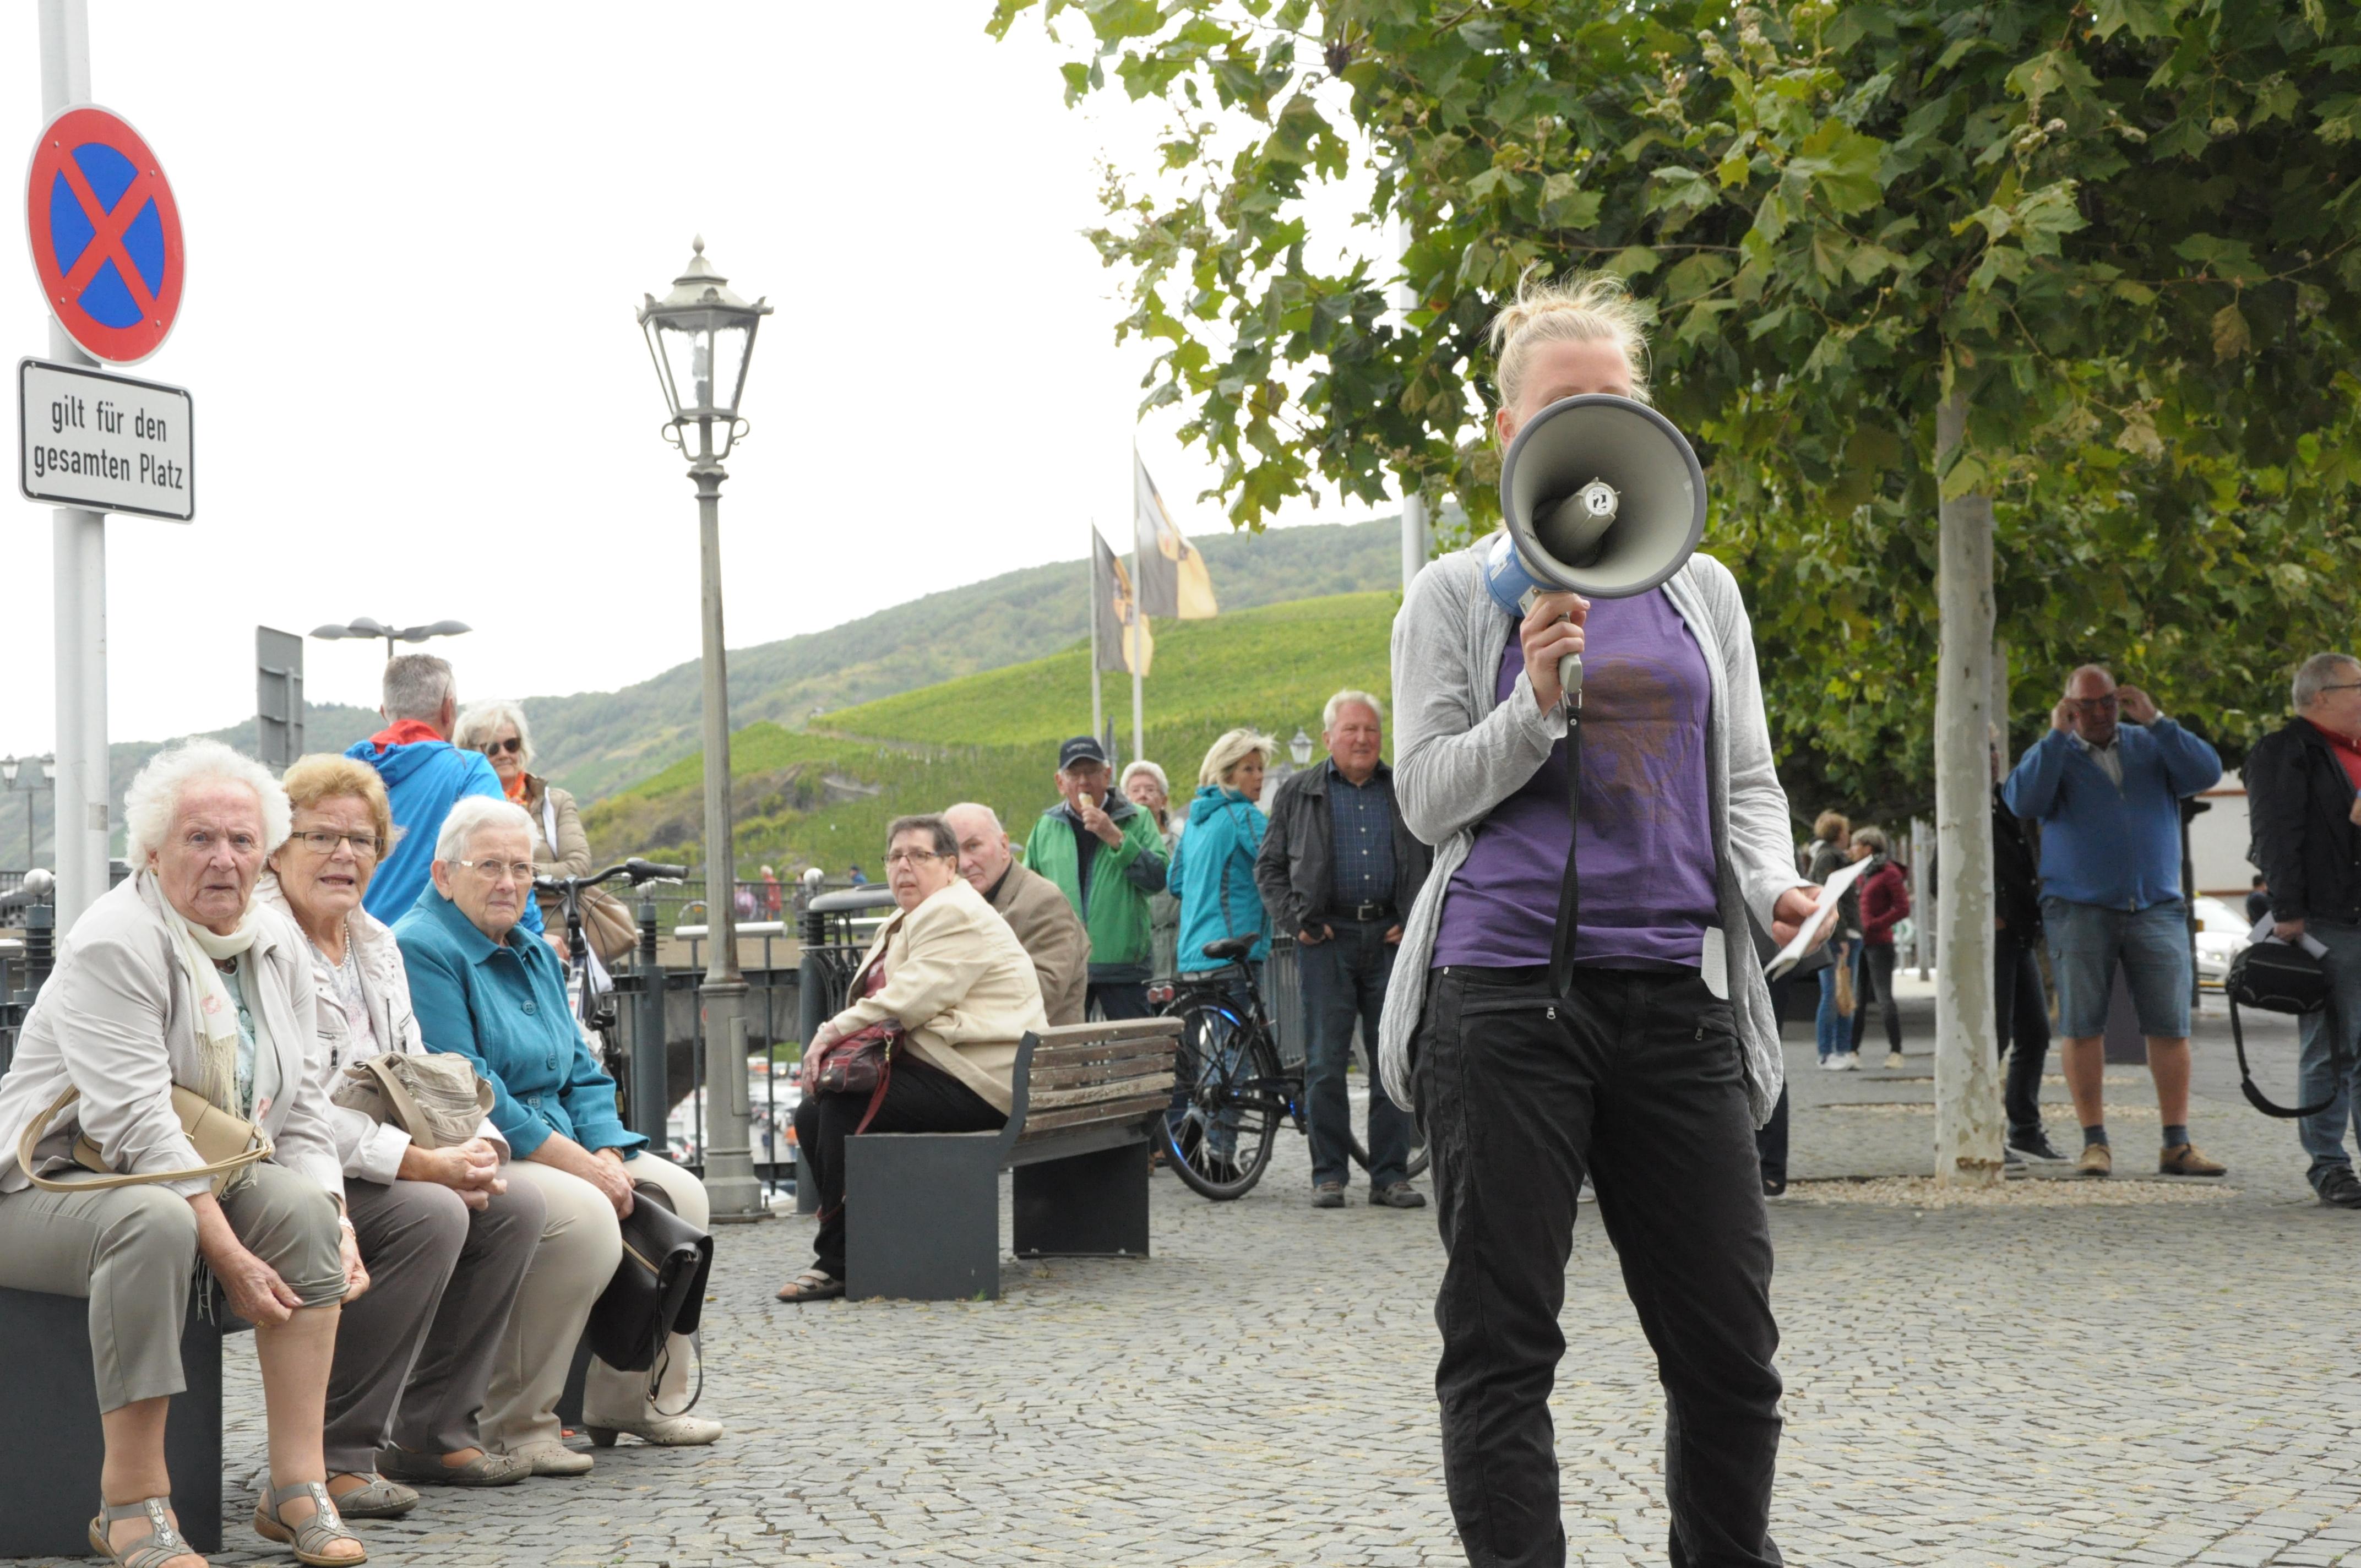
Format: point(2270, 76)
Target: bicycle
point(1232, 1087)
point(587, 981)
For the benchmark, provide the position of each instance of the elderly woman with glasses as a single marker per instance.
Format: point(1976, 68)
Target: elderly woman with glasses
point(446, 1241)
point(560, 847)
point(484, 988)
point(948, 979)
point(178, 980)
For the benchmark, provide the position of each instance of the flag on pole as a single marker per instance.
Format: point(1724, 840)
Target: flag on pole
point(1118, 629)
point(1172, 577)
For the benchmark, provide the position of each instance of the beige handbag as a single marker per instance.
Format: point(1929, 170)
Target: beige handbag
point(226, 1144)
point(438, 1099)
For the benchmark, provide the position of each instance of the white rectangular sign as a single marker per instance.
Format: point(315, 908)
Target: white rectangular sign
point(91, 438)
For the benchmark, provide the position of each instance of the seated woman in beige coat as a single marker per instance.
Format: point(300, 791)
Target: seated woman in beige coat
point(948, 972)
point(179, 978)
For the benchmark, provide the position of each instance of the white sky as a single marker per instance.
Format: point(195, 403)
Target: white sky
point(417, 235)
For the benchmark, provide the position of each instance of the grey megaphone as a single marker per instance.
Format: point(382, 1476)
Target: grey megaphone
point(1602, 497)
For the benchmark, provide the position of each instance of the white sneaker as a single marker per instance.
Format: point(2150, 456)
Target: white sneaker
point(1848, 1062)
point(1832, 1064)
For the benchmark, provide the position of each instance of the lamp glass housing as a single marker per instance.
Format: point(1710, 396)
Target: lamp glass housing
point(1301, 748)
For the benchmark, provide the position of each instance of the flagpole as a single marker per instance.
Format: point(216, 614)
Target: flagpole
point(1139, 730)
point(1091, 564)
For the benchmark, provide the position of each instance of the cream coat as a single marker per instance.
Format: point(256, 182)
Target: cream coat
point(115, 1020)
point(370, 1149)
point(963, 985)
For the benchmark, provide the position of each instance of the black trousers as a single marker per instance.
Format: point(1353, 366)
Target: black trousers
point(918, 1099)
point(1641, 1087)
point(1877, 975)
point(2023, 1016)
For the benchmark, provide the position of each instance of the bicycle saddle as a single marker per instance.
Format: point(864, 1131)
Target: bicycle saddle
point(1229, 947)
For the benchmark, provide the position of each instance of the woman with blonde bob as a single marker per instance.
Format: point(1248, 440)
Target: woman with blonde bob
point(447, 1240)
point(1651, 1075)
point(179, 978)
point(1213, 864)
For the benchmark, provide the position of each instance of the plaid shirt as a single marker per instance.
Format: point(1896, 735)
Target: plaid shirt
point(1361, 832)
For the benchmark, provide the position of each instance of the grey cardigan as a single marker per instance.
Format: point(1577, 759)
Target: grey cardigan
point(1460, 752)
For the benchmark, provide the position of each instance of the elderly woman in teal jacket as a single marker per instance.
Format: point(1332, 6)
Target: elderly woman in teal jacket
point(481, 986)
point(1213, 863)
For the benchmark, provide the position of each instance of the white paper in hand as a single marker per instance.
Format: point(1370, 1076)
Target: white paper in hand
point(1817, 928)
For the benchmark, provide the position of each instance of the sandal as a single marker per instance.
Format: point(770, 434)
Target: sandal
point(374, 1498)
point(812, 1284)
point(155, 1549)
point(309, 1539)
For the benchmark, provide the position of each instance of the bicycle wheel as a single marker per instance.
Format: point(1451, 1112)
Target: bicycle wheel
point(1418, 1158)
point(1226, 1109)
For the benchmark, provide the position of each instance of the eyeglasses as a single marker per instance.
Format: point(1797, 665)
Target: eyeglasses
point(323, 841)
point(912, 857)
point(495, 870)
point(2093, 702)
point(512, 746)
point(2343, 687)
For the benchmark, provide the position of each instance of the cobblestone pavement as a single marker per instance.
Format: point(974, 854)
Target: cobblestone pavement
point(2037, 1386)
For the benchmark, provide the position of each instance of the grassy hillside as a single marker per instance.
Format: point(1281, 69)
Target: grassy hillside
point(597, 743)
point(824, 797)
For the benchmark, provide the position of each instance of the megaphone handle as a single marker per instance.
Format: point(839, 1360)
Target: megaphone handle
point(1569, 679)
point(1570, 893)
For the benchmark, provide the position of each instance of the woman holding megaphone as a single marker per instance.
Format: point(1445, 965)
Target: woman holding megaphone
point(1579, 991)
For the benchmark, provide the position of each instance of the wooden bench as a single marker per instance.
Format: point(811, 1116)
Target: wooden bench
point(922, 1209)
point(51, 1446)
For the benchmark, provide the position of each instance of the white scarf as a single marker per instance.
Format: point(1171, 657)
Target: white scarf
point(216, 1011)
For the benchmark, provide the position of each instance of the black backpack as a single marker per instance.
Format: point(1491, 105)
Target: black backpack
point(2280, 977)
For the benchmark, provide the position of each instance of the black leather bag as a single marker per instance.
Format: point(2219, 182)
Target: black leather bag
point(658, 1289)
point(2278, 976)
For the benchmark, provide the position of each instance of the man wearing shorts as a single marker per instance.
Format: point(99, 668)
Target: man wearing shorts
point(2106, 785)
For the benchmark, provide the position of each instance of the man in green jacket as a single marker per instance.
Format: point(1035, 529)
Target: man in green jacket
point(1107, 858)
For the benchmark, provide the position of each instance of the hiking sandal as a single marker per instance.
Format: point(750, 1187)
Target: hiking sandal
point(311, 1538)
point(812, 1284)
point(155, 1549)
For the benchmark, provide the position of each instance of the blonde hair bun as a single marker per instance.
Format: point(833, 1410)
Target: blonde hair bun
point(1581, 308)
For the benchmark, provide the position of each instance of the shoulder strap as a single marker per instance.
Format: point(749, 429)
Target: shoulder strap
point(2254, 1096)
point(396, 1093)
point(39, 1127)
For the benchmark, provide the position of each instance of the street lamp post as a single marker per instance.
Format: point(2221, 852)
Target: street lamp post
point(701, 337)
point(11, 770)
point(365, 627)
point(1301, 748)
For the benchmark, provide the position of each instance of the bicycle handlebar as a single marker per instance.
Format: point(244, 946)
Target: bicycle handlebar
point(638, 871)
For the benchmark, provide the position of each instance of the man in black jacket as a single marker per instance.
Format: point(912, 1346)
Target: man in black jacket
point(2022, 1010)
point(2304, 799)
point(1339, 869)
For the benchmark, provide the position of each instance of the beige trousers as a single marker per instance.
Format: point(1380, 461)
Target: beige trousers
point(580, 1246)
point(132, 1252)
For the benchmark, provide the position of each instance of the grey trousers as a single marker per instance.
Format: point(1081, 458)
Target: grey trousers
point(414, 1352)
point(132, 1252)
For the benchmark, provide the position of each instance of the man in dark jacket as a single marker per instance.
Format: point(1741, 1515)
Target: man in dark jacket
point(1340, 870)
point(2303, 800)
point(2021, 1008)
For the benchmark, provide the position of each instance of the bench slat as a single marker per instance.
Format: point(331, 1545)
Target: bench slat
point(1100, 1071)
point(1123, 1050)
point(1116, 1029)
point(1112, 1111)
point(1099, 1093)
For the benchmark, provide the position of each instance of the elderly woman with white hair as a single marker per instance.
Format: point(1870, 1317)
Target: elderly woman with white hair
point(483, 988)
point(1144, 786)
point(178, 980)
point(497, 729)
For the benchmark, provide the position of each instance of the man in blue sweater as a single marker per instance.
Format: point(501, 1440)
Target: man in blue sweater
point(2107, 795)
point(425, 776)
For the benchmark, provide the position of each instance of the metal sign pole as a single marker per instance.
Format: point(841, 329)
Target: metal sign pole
point(84, 791)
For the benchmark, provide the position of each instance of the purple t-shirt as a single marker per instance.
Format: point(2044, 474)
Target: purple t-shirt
point(1647, 860)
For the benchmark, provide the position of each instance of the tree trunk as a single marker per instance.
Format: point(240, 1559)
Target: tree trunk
point(1966, 1072)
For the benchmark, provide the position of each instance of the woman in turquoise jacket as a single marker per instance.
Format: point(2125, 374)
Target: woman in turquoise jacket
point(1213, 864)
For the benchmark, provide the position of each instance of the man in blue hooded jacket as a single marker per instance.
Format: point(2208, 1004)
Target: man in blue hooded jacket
point(425, 776)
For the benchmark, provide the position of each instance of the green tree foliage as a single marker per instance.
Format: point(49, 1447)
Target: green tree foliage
point(2124, 231)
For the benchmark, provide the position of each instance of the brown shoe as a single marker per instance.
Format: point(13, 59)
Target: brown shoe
point(2182, 1160)
point(2097, 1160)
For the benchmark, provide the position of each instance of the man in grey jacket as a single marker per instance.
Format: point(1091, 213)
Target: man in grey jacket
point(1652, 1071)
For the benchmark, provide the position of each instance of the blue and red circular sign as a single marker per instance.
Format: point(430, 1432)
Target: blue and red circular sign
point(105, 234)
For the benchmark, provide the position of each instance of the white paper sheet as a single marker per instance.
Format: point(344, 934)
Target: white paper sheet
point(1817, 928)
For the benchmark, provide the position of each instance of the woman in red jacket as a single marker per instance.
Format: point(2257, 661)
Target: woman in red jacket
point(1884, 900)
